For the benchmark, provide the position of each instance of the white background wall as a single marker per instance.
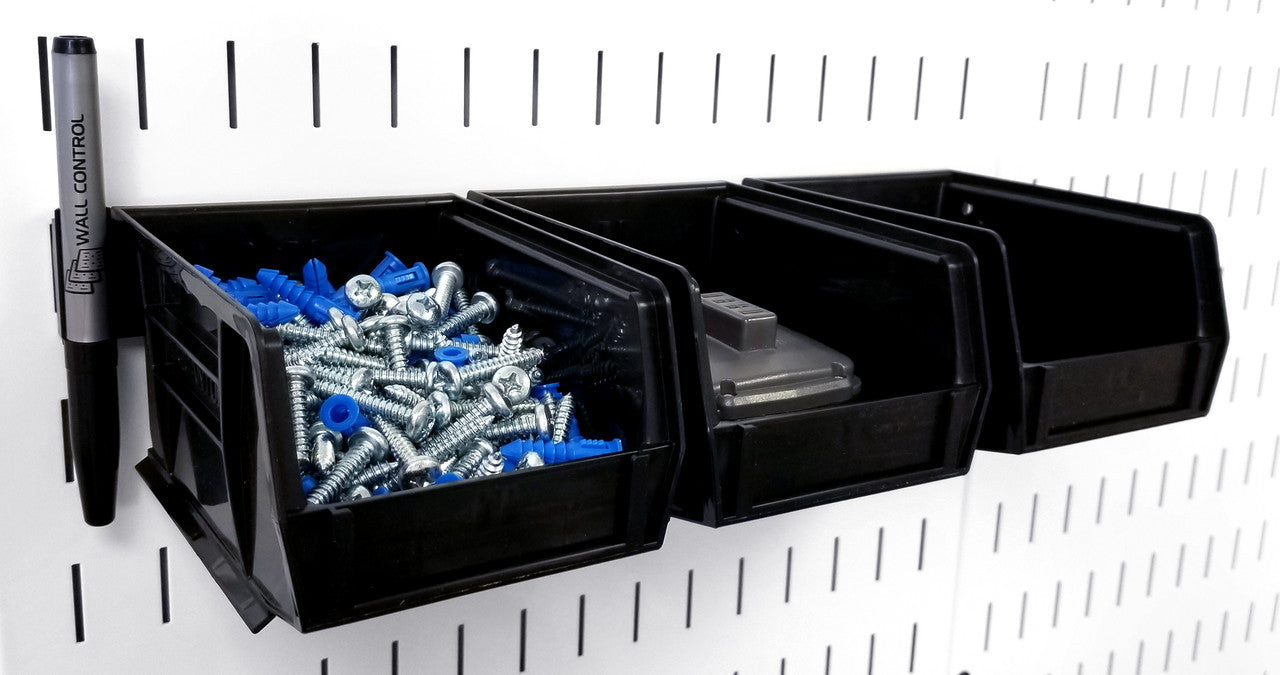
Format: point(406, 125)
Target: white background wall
point(1143, 553)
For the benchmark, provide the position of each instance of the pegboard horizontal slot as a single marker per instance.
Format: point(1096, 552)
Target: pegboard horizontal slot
point(1086, 340)
point(448, 540)
point(922, 382)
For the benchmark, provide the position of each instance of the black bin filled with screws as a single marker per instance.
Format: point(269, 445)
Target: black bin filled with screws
point(417, 391)
point(836, 356)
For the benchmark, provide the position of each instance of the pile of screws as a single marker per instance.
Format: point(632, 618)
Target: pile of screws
point(392, 386)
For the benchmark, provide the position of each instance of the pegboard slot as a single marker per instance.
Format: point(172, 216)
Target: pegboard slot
point(871, 89)
point(46, 116)
point(523, 636)
point(394, 66)
point(77, 602)
point(768, 110)
point(68, 466)
point(233, 119)
point(315, 84)
point(140, 60)
point(164, 584)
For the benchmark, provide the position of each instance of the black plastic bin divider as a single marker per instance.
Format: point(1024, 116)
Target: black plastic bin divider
point(1103, 316)
point(904, 305)
point(224, 467)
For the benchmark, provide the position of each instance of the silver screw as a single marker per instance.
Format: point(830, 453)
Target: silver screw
point(530, 459)
point(513, 382)
point(363, 291)
point(409, 416)
point(367, 445)
point(512, 340)
point(446, 277)
point(394, 328)
point(452, 439)
point(324, 446)
point(564, 412)
point(349, 359)
point(470, 462)
point(378, 474)
point(357, 492)
point(300, 380)
point(493, 464)
point(401, 446)
point(483, 309)
point(341, 322)
point(483, 370)
point(530, 425)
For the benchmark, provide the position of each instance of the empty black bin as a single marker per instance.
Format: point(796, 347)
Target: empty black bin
point(902, 306)
point(1103, 316)
point(223, 464)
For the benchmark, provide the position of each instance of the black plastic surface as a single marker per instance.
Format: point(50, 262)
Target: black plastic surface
point(903, 305)
point(1103, 316)
point(224, 466)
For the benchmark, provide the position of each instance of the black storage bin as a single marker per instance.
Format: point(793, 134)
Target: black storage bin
point(224, 467)
point(903, 306)
point(1103, 316)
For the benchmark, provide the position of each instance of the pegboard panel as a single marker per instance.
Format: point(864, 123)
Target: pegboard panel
point(1149, 552)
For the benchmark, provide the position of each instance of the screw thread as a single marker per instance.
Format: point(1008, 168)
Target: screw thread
point(564, 412)
point(449, 282)
point(409, 377)
point(453, 437)
point(313, 350)
point(512, 340)
point(462, 319)
point(424, 341)
point(376, 474)
point(518, 426)
point(397, 352)
point(493, 463)
point(301, 332)
point(469, 462)
point(298, 410)
point(483, 370)
point(460, 300)
point(374, 405)
point(340, 477)
point(402, 394)
point(349, 359)
point(401, 446)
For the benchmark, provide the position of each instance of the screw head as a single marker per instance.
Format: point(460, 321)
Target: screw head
point(489, 303)
point(422, 310)
point(446, 377)
point(362, 379)
point(542, 417)
point(357, 492)
point(350, 329)
point(374, 438)
point(319, 431)
point(446, 267)
point(443, 409)
point(302, 374)
point(497, 402)
point(363, 291)
point(419, 468)
point(393, 320)
point(419, 418)
point(513, 381)
point(530, 459)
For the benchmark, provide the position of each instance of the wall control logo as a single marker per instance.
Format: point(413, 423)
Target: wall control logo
point(85, 271)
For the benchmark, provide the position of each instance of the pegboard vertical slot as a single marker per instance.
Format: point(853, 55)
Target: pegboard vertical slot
point(140, 61)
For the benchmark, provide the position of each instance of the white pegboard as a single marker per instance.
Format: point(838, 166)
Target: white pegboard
point(1148, 552)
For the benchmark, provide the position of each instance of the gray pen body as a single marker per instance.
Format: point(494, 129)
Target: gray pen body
point(80, 195)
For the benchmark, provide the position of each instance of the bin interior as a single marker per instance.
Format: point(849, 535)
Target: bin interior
point(1086, 279)
point(811, 277)
point(226, 439)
